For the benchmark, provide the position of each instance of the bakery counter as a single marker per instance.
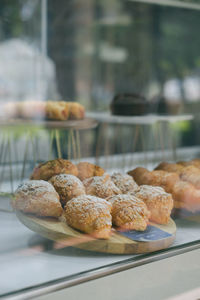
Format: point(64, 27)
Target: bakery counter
point(32, 265)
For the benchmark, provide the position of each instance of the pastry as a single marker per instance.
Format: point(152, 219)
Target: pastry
point(186, 196)
point(124, 182)
point(163, 179)
point(32, 109)
point(129, 212)
point(87, 170)
point(140, 175)
point(57, 110)
point(50, 168)
point(156, 178)
point(158, 202)
point(89, 214)
point(101, 186)
point(67, 186)
point(53, 110)
point(76, 111)
point(187, 171)
point(177, 168)
point(37, 197)
point(191, 174)
point(195, 162)
point(10, 110)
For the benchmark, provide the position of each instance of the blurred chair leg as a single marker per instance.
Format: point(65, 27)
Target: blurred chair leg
point(135, 139)
point(98, 142)
point(25, 156)
point(78, 145)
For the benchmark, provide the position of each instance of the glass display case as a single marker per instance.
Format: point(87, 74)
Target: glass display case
point(114, 85)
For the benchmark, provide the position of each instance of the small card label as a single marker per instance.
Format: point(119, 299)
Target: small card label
point(152, 233)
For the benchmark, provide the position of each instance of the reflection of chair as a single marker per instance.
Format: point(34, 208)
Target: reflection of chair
point(151, 136)
point(21, 149)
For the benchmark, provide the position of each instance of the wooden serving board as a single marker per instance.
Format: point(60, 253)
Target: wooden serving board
point(118, 243)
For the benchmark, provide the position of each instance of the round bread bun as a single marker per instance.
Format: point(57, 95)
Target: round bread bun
point(191, 174)
point(158, 202)
point(57, 110)
point(101, 186)
point(89, 214)
point(76, 111)
point(50, 168)
point(129, 212)
point(87, 170)
point(10, 110)
point(186, 196)
point(125, 183)
point(67, 186)
point(32, 109)
point(37, 197)
point(169, 167)
point(140, 175)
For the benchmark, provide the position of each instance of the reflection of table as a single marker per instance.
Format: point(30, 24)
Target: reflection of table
point(86, 123)
point(158, 126)
point(31, 130)
point(106, 117)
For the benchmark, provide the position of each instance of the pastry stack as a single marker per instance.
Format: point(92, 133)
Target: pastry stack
point(90, 200)
point(50, 110)
point(181, 180)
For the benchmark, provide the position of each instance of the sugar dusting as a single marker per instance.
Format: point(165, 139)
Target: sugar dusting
point(35, 187)
point(101, 186)
point(124, 182)
point(153, 193)
point(67, 180)
point(88, 208)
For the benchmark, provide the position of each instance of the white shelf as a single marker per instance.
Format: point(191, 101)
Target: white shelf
point(106, 117)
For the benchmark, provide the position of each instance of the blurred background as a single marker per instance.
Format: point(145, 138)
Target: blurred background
point(89, 51)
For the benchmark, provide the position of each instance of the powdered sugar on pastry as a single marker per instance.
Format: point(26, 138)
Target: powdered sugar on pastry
point(37, 197)
point(159, 202)
point(129, 212)
point(124, 182)
point(35, 187)
point(89, 214)
point(87, 170)
point(67, 186)
point(101, 186)
point(48, 169)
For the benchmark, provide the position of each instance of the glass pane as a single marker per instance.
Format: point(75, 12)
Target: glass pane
point(133, 67)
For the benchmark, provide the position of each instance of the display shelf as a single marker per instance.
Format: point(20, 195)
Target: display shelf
point(106, 117)
point(30, 147)
point(157, 126)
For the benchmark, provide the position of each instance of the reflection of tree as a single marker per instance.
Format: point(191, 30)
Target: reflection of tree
point(10, 21)
point(161, 42)
point(179, 43)
point(61, 43)
point(137, 39)
point(21, 19)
